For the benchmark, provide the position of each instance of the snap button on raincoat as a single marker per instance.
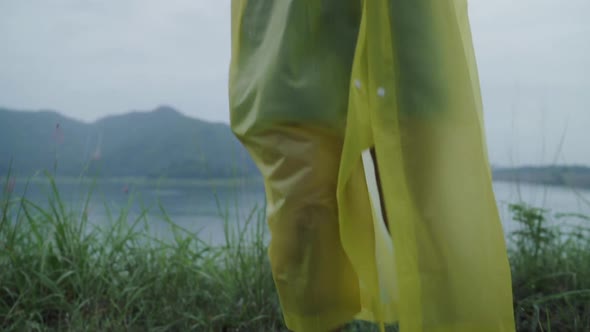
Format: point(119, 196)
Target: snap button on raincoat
point(365, 120)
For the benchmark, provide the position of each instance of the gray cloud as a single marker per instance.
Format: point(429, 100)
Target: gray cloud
point(91, 58)
point(96, 57)
point(534, 60)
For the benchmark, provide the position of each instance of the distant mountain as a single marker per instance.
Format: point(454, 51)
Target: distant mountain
point(162, 142)
point(570, 176)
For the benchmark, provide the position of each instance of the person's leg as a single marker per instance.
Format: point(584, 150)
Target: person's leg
point(317, 287)
point(289, 83)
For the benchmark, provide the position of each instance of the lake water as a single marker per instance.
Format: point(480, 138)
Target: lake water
point(204, 207)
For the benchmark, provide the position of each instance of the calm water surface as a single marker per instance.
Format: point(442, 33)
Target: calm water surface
point(203, 208)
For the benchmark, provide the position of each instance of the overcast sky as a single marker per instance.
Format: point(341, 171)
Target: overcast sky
point(91, 58)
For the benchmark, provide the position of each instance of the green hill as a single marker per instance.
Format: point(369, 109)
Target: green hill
point(570, 176)
point(162, 142)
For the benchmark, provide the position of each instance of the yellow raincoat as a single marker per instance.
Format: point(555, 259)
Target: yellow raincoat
point(365, 119)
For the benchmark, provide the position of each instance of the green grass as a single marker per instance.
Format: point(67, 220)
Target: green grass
point(58, 273)
point(550, 270)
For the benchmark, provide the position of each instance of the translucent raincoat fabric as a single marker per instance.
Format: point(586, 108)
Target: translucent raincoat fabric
point(365, 120)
